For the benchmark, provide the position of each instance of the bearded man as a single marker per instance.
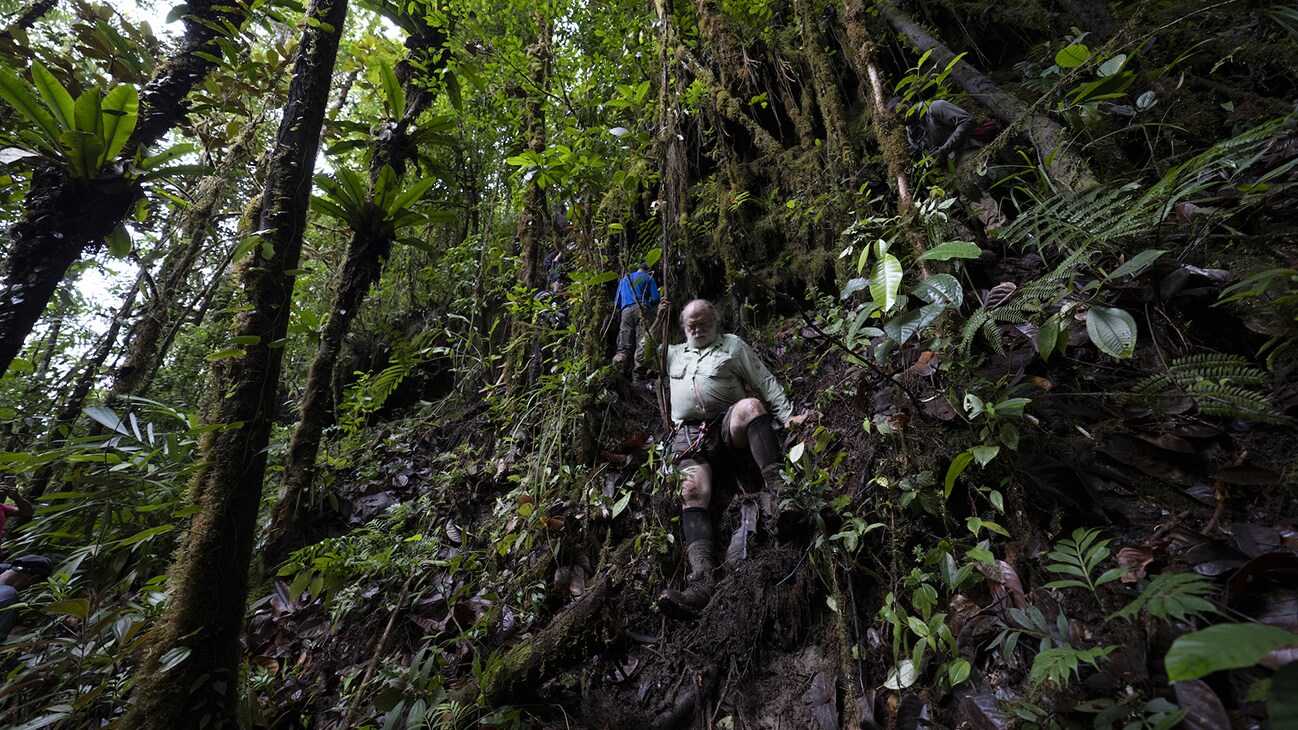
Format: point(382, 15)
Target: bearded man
point(717, 421)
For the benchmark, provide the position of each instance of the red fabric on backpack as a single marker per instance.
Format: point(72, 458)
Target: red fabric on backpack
point(986, 131)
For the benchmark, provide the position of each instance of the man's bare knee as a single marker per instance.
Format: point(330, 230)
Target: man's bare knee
point(745, 412)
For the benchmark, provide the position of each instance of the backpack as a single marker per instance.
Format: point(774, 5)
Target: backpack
point(986, 131)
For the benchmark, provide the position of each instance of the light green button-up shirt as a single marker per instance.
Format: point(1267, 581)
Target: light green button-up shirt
point(704, 383)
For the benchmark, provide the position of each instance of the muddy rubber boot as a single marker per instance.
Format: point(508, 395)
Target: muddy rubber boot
point(701, 555)
point(769, 456)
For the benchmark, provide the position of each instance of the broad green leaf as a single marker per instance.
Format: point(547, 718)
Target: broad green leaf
point(87, 114)
point(1072, 56)
point(56, 98)
point(325, 206)
point(1113, 65)
point(385, 187)
point(940, 289)
point(14, 90)
point(1112, 330)
point(453, 89)
point(350, 189)
point(82, 150)
point(412, 194)
point(394, 95)
point(119, 242)
point(226, 353)
point(1135, 264)
point(120, 111)
point(75, 607)
point(952, 250)
point(1224, 646)
point(958, 465)
point(1048, 336)
point(984, 454)
point(885, 281)
point(902, 328)
point(958, 671)
point(653, 256)
point(167, 155)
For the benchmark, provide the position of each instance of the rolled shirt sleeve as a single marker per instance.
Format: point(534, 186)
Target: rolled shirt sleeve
point(760, 379)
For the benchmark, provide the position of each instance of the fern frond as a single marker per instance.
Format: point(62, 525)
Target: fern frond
point(1185, 372)
point(1219, 399)
point(1173, 597)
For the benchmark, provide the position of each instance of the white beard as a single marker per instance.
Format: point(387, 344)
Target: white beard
point(702, 340)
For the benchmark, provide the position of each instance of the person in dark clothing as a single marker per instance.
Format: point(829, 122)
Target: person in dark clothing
point(943, 130)
point(17, 574)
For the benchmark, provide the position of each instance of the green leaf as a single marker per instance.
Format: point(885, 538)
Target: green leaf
point(952, 250)
point(226, 353)
point(1112, 330)
point(653, 256)
point(1113, 65)
point(940, 289)
point(1048, 336)
point(1072, 56)
point(902, 328)
point(385, 186)
point(958, 465)
point(82, 150)
point(75, 607)
point(14, 90)
point(1135, 264)
point(885, 281)
point(143, 535)
point(56, 98)
point(984, 454)
point(167, 155)
point(1224, 646)
point(412, 194)
point(957, 672)
point(107, 418)
point(394, 95)
point(119, 111)
point(119, 242)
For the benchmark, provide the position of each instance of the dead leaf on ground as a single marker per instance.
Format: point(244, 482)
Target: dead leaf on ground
point(820, 697)
point(1204, 708)
point(938, 407)
point(622, 670)
point(1253, 476)
point(1134, 559)
point(1000, 294)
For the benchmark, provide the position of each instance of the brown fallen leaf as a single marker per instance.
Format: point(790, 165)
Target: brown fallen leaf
point(1134, 559)
point(1203, 707)
point(1000, 294)
point(1246, 476)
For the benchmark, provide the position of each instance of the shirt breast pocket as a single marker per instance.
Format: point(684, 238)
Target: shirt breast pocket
point(712, 369)
point(676, 370)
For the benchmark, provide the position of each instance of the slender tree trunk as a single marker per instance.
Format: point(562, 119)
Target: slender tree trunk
point(1069, 171)
point(362, 266)
point(533, 224)
point(145, 354)
point(62, 216)
point(887, 130)
point(209, 581)
point(91, 367)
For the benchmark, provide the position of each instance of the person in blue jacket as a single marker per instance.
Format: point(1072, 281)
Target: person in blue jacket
point(637, 292)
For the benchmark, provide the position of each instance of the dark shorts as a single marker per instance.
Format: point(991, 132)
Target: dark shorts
point(704, 442)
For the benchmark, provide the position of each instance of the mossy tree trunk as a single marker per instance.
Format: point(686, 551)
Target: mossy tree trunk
point(367, 251)
point(65, 216)
point(533, 224)
point(209, 581)
point(147, 349)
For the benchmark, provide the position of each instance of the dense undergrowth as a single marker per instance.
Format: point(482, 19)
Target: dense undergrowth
point(1048, 479)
